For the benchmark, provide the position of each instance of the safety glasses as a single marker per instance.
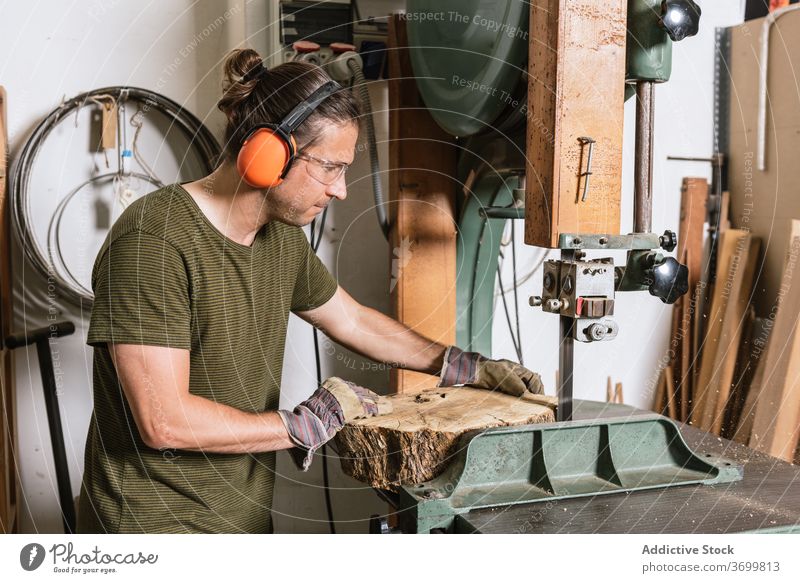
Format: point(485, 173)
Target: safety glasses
point(324, 171)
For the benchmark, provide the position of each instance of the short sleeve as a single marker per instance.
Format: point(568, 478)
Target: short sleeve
point(314, 285)
point(141, 294)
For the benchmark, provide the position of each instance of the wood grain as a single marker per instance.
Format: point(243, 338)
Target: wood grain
point(694, 196)
point(776, 426)
point(9, 486)
point(571, 42)
point(739, 283)
point(417, 441)
point(732, 244)
point(422, 162)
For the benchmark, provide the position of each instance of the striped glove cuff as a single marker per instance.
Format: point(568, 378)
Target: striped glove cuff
point(459, 367)
point(312, 424)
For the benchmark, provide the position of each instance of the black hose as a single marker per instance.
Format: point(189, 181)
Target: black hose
point(198, 135)
point(315, 242)
point(380, 200)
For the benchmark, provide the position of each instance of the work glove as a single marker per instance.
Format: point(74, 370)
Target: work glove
point(475, 370)
point(316, 420)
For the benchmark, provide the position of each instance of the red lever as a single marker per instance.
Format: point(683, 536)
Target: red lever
point(340, 48)
point(305, 46)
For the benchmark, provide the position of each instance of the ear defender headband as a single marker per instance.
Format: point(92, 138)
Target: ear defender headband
point(269, 149)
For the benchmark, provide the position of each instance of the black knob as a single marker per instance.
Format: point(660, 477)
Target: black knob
point(680, 18)
point(669, 280)
point(668, 241)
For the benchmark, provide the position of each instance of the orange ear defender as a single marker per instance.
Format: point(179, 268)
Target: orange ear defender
point(268, 150)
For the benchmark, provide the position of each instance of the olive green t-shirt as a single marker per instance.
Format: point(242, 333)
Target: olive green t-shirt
point(165, 276)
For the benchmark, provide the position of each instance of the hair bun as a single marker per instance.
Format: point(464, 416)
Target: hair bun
point(237, 64)
point(254, 73)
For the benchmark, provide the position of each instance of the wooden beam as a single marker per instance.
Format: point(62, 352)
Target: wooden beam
point(9, 486)
point(694, 197)
point(746, 362)
point(732, 244)
point(776, 426)
point(576, 82)
point(739, 284)
point(744, 427)
point(660, 399)
point(422, 162)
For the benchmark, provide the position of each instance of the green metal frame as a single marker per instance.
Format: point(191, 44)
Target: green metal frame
point(648, 47)
point(478, 250)
point(535, 463)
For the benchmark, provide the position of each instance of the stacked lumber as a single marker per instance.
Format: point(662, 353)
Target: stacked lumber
point(738, 254)
point(731, 373)
point(774, 424)
point(746, 384)
point(674, 387)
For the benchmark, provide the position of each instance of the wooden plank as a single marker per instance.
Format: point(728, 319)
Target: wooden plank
point(572, 40)
point(9, 486)
point(669, 384)
point(730, 242)
point(681, 351)
point(741, 288)
point(746, 362)
point(659, 402)
point(694, 197)
point(765, 201)
point(744, 427)
point(706, 291)
point(416, 441)
point(776, 427)
point(422, 162)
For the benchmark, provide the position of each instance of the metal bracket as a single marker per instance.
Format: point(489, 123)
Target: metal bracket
point(625, 242)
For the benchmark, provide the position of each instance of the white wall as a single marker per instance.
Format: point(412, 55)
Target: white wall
point(51, 49)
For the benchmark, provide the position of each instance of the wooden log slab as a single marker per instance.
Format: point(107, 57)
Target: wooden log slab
point(417, 440)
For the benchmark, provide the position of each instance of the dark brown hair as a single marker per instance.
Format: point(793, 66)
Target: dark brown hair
point(271, 96)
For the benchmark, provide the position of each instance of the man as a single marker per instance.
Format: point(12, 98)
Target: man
point(193, 288)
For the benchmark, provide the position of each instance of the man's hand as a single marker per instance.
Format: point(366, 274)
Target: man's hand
point(475, 370)
point(316, 420)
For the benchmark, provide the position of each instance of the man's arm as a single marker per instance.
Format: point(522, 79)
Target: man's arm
point(371, 334)
point(375, 335)
point(155, 381)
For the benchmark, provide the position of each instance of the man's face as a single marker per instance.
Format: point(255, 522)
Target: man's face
point(302, 196)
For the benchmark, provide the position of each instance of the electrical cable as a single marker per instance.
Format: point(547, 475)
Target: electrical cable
point(516, 295)
point(54, 227)
point(325, 478)
point(316, 241)
point(200, 139)
point(316, 234)
point(508, 316)
point(138, 124)
point(359, 81)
